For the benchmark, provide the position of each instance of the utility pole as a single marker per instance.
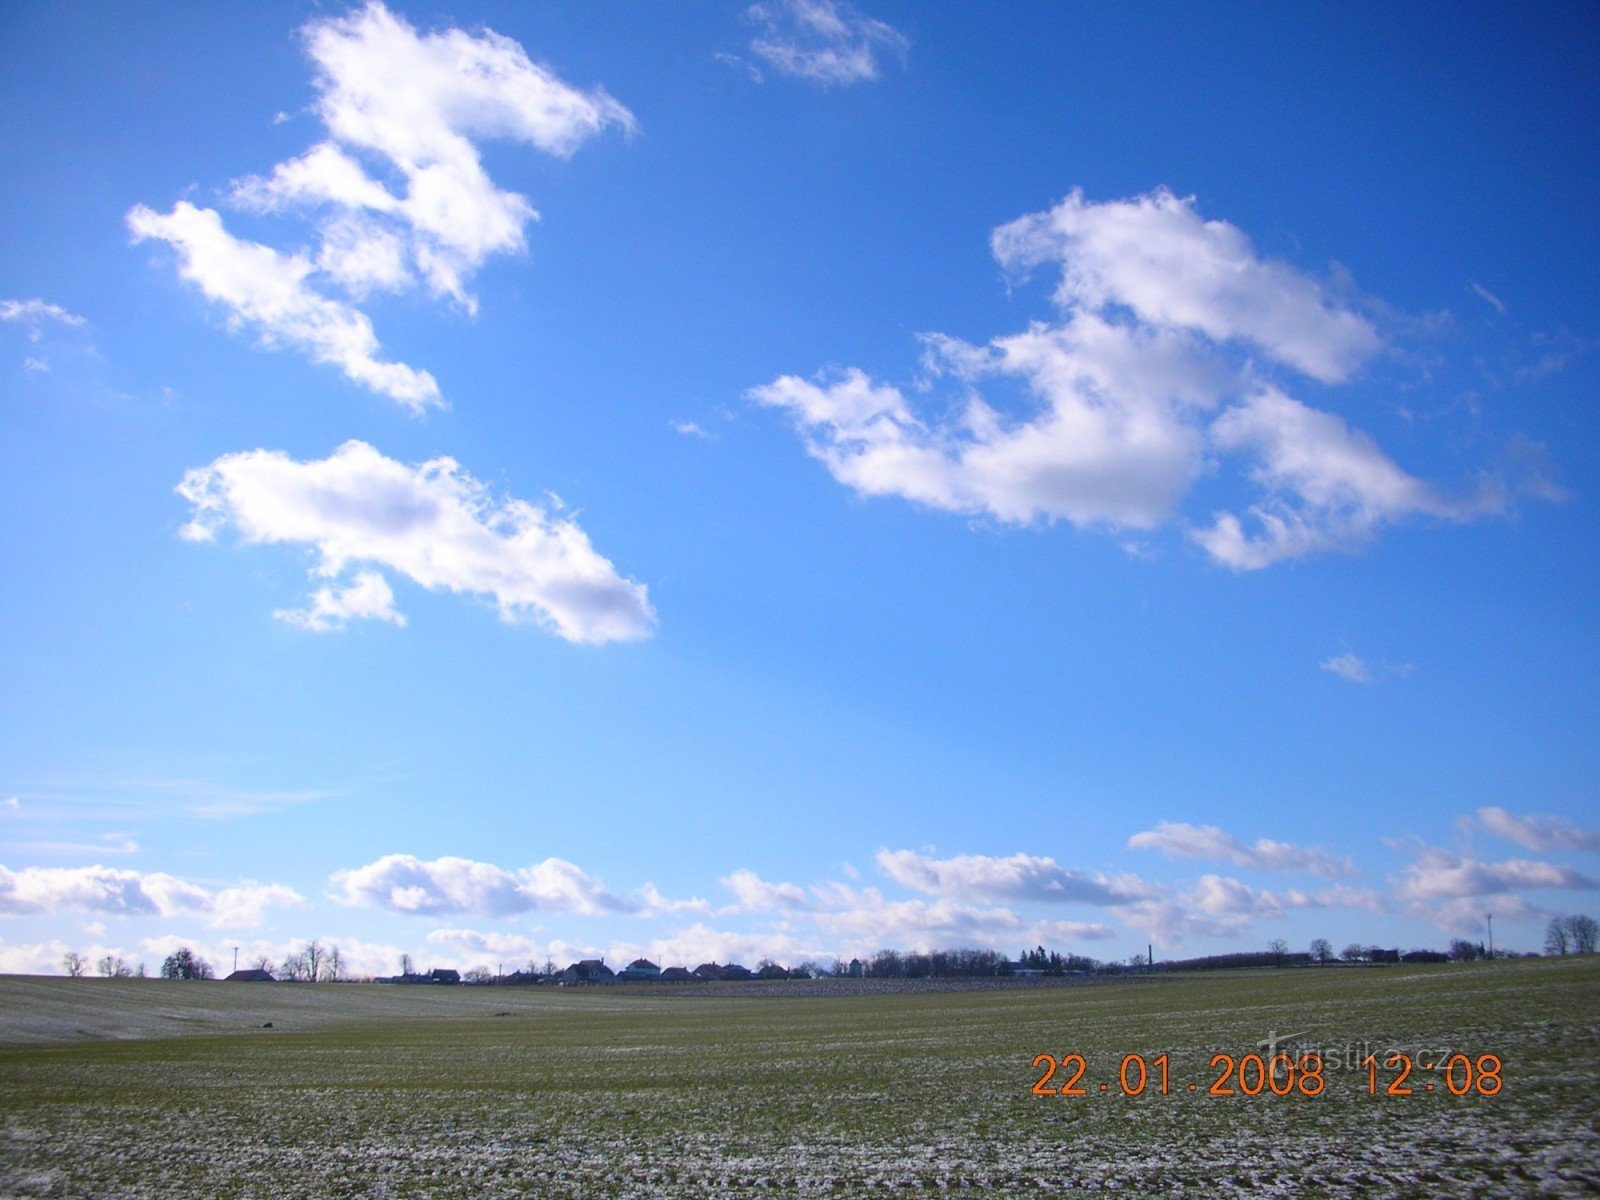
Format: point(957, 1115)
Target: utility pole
point(1489, 917)
point(236, 960)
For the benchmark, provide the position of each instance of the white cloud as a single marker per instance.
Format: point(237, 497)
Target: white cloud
point(433, 523)
point(410, 106)
point(1350, 667)
point(1489, 297)
point(414, 103)
point(824, 41)
point(98, 889)
point(513, 949)
point(700, 943)
point(871, 921)
point(1019, 878)
point(655, 903)
point(1177, 839)
point(33, 313)
point(268, 291)
point(1175, 270)
point(1537, 833)
point(755, 894)
point(1217, 906)
point(1065, 933)
point(1441, 875)
point(1327, 487)
point(366, 597)
point(403, 883)
point(1160, 313)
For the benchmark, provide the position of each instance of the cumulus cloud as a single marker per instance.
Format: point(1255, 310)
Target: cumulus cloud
point(754, 893)
point(267, 291)
point(1178, 839)
point(403, 883)
point(397, 193)
point(1156, 255)
point(1538, 833)
point(1154, 371)
point(366, 597)
point(106, 890)
point(1326, 486)
point(824, 41)
point(1019, 878)
point(413, 104)
point(1442, 875)
point(656, 903)
point(1219, 906)
point(867, 917)
point(700, 943)
point(433, 523)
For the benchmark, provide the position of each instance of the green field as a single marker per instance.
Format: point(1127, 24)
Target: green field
point(164, 1089)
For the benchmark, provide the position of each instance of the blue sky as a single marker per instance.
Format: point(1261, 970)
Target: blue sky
point(794, 479)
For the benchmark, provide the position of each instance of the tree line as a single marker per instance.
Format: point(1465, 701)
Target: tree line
point(315, 963)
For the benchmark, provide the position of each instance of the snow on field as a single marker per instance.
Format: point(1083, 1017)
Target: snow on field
point(606, 1094)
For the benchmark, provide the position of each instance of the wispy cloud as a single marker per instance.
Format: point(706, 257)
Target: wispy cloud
point(32, 314)
point(1539, 833)
point(1177, 839)
point(433, 523)
point(1488, 297)
point(826, 42)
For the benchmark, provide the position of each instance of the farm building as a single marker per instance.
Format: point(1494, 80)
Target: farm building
point(251, 975)
point(640, 970)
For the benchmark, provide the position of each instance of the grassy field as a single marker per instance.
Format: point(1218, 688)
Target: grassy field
point(147, 1088)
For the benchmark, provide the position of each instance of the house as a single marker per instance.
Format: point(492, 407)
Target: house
point(444, 975)
point(640, 970)
point(708, 972)
point(1383, 956)
point(856, 969)
point(676, 975)
point(735, 971)
point(772, 971)
point(590, 970)
point(251, 975)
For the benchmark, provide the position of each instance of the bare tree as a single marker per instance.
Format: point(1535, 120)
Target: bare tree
point(1557, 940)
point(113, 967)
point(1585, 933)
point(1322, 950)
point(1353, 952)
point(74, 964)
point(1277, 947)
point(263, 963)
point(333, 966)
point(407, 969)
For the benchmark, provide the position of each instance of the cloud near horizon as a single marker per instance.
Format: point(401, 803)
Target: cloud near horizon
point(113, 892)
point(1178, 839)
point(433, 523)
point(403, 883)
point(1136, 389)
